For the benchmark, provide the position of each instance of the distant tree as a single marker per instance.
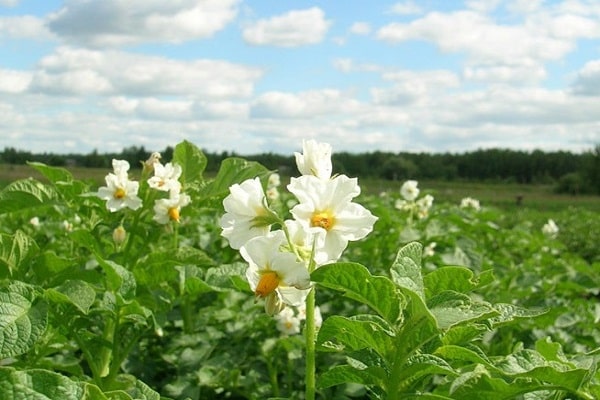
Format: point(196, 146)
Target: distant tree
point(399, 168)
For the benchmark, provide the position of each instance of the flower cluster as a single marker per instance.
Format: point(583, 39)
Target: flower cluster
point(120, 192)
point(410, 201)
point(550, 229)
point(469, 202)
point(290, 319)
point(282, 253)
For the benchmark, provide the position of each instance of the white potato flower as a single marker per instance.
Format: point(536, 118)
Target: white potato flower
point(326, 209)
point(315, 159)
point(287, 322)
point(166, 177)
point(119, 191)
point(469, 202)
point(409, 190)
point(274, 275)
point(244, 207)
point(550, 228)
point(168, 209)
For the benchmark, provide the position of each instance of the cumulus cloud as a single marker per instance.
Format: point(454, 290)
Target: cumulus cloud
point(587, 82)
point(405, 8)
point(411, 86)
point(9, 3)
point(308, 104)
point(24, 27)
point(12, 81)
point(292, 29)
point(75, 71)
point(360, 28)
point(121, 22)
point(479, 37)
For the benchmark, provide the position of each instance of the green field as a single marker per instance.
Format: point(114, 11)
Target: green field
point(218, 289)
point(502, 195)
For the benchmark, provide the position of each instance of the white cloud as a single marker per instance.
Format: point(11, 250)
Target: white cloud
point(24, 27)
point(12, 81)
point(405, 8)
point(121, 22)
point(308, 105)
point(9, 3)
point(91, 72)
point(410, 86)
point(482, 5)
point(348, 65)
point(360, 28)
point(292, 29)
point(588, 80)
point(481, 38)
point(518, 74)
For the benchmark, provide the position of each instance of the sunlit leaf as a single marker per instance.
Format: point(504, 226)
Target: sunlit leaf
point(53, 174)
point(349, 334)
point(192, 161)
point(406, 269)
point(356, 282)
point(26, 194)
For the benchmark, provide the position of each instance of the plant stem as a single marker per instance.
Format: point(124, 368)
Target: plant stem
point(310, 346)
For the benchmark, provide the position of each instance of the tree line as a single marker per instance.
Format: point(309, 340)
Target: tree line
point(574, 173)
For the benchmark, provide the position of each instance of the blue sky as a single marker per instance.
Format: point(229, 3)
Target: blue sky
point(260, 76)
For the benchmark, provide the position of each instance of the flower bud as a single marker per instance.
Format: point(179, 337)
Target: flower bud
point(119, 235)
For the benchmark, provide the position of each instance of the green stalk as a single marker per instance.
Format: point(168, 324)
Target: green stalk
point(310, 330)
point(310, 346)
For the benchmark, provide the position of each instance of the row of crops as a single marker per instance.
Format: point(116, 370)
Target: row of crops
point(243, 286)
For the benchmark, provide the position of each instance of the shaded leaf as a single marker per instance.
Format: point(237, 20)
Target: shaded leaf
point(23, 319)
point(16, 249)
point(78, 293)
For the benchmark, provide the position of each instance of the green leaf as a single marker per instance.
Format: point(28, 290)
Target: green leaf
point(552, 351)
point(15, 250)
point(23, 319)
point(453, 308)
point(39, 384)
point(189, 281)
point(418, 327)
point(233, 170)
point(227, 277)
point(26, 194)
point(421, 367)
point(459, 353)
point(53, 174)
point(358, 332)
point(531, 364)
point(340, 374)
point(192, 161)
point(458, 279)
point(118, 279)
point(406, 268)
point(75, 292)
point(84, 238)
point(357, 283)
point(509, 313)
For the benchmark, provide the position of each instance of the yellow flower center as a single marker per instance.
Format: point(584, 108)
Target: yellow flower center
point(322, 219)
point(174, 214)
point(269, 281)
point(119, 193)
